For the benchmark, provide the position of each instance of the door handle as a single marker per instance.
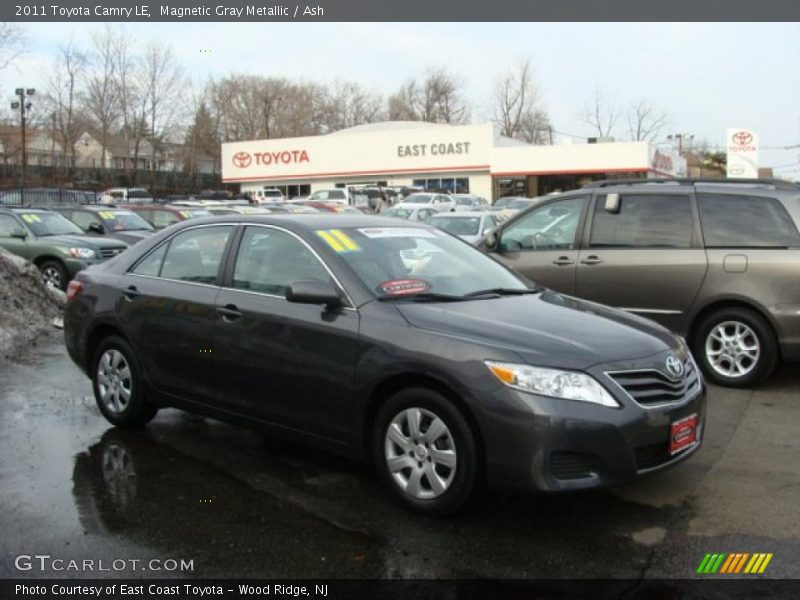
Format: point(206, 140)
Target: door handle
point(131, 293)
point(563, 260)
point(591, 260)
point(229, 312)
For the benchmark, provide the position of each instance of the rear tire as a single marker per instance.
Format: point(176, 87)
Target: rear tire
point(118, 386)
point(736, 347)
point(429, 460)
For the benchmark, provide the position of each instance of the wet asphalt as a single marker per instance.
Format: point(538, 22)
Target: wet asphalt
point(239, 504)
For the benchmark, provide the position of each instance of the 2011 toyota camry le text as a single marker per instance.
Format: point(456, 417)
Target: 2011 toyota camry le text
point(398, 343)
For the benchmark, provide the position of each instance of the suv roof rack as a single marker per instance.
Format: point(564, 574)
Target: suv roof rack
point(776, 184)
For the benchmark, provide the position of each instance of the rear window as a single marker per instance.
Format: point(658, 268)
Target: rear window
point(745, 222)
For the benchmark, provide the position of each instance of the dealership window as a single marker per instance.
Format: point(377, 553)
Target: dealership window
point(451, 185)
point(745, 222)
point(644, 221)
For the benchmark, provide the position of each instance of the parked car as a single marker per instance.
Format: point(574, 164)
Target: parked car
point(332, 195)
point(114, 222)
point(440, 202)
point(226, 209)
point(53, 243)
point(292, 207)
point(125, 196)
point(471, 227)
point(268, 195)
point(508, 206)
point(712, 260)
point(164, 215)
point(45, 196)
point(446, 369)
point(468, 202)
point(411, 213)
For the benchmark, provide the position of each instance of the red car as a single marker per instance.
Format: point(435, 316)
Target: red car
point(163, 215)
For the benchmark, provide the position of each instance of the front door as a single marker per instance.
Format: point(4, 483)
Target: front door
point(645, 256)
point(542, 244)
point(285, 363)
point(9, 225)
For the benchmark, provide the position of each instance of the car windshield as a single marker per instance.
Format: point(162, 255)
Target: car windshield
point(457, 225)
point(419, 199)
point(408, 261)
point(397, 213)
point(47, 223)
point(502, 203)
point(193, 213)
point(520, 203)
point(123, 220)
point(463, 200)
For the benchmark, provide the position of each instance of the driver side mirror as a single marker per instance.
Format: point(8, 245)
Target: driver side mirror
point(313, 291)
point(612, 204)
point(491, 240)
point(19, 233)
point(95, 228)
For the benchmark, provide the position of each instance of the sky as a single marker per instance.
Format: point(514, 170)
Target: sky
point(707, 76)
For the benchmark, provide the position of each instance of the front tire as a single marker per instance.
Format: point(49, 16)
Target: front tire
point(117, 383)
point(426, 452)
point(736, 347)
point(54, 274)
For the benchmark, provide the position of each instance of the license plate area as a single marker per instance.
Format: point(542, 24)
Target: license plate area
point(682, 434)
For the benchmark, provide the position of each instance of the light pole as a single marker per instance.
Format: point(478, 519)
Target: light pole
point(680, 138)
point(23, 106)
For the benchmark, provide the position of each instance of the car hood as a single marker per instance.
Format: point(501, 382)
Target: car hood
point(131, 237)
point(81, 240)
point(546, 329)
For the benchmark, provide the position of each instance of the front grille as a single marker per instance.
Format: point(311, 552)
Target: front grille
point(649, 387)
point(106, 253)
point(569, 465)
point(654, 455)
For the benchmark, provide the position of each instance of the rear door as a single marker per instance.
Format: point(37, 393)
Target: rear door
point(543, 243)
point(646, 256)
point(169, 309)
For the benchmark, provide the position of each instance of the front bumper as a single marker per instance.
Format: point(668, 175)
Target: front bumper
point(549, 444)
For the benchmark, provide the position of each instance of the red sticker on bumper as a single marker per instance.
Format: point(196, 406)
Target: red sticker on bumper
point(682, 434)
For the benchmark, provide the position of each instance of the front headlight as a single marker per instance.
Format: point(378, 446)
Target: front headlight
point(81, 253)
point(569, 385)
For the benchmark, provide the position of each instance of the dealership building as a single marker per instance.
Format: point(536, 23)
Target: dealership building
point(457, 158)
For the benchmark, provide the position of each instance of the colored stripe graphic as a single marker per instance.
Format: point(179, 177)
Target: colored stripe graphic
point(711, 563)
point(345, 240)
point(734, 563)
point(332, 242)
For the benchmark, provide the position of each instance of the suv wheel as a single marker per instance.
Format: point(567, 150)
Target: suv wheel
point(116, 379)
point(736, 347)
point(54, 274)
point(425, 451)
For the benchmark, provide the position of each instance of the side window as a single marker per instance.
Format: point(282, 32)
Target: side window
point(269, 259)
point(550, 227)
point(151, 264)
point(164, 218)
point(644, 221)
point(83, 219)
point(194, 255)
point(8, 225)
point(745, 222)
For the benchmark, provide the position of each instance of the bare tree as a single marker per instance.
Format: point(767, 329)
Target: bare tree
point(347, 104)
point(601, 115)
point(102, 92)
point(64, 88)
point(645, 121)
point(12, 43)
point(516, 106)
point(131, 89)
point(438, 98)
point(162, 81)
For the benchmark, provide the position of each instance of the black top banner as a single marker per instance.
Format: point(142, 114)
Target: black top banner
point(406, 10)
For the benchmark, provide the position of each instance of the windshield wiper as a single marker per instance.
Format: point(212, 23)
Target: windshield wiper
point(500, 291)
point(424, 297)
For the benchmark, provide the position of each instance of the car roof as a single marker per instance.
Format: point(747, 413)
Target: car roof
point(463, 214)
point(96, 207)
point(309, 221)
point(18, 209)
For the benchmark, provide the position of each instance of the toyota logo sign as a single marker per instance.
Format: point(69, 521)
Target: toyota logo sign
point(242, 159)
point(674, 366)
point(742, 138)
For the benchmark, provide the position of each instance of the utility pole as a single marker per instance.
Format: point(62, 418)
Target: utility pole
point(23, 106)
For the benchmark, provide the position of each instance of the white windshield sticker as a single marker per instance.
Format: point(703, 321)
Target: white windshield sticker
point(395, 232)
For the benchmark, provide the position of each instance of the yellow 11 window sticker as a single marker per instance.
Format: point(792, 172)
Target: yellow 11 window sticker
point(338, 240)
point(107, 215)
point(30, 218)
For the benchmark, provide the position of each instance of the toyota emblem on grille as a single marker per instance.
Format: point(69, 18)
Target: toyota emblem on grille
point(674, 366)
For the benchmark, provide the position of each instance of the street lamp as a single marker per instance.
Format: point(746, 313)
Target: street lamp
point(23, 106)
point(680, 138)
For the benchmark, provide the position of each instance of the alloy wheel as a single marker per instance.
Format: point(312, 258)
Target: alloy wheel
point(52, 277)
point(732, 349)
point(114, 381)
point(420, 453)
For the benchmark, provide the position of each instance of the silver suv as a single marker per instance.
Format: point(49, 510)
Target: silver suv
point(717, 261)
